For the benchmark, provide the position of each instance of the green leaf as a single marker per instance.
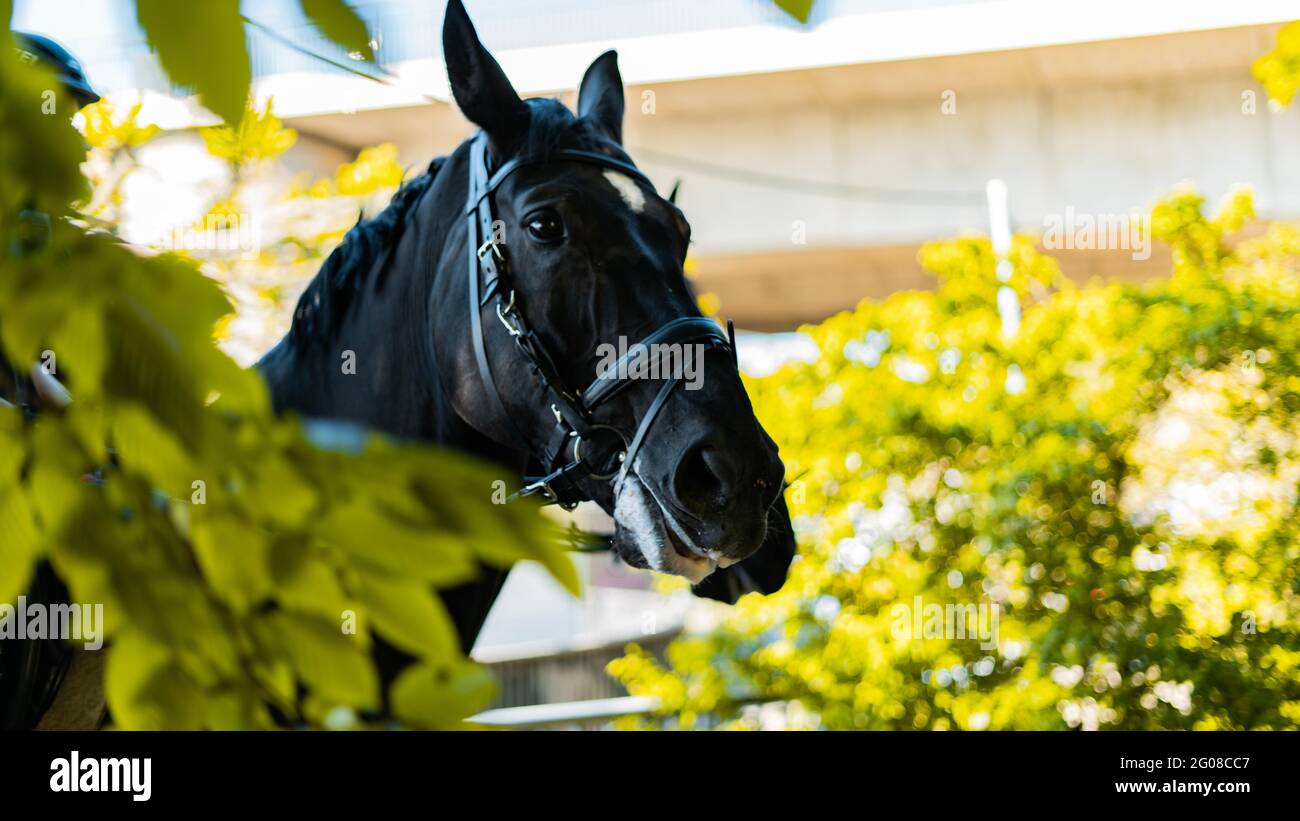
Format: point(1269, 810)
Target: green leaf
point(275, 677)
point(306, 584)
point(20, 543)
point(55, 494)
point(236, 708)
point(12, 449)
point(81, 340)
point(40, 159)
point(201, 46)
point(411, 616)
point(234, 558)
point(333, 665)
point(33, 320)
point(798, 9)
point(373, 535)
point(150, 449)
point(145, 689)
point(85, 421)
point(280, 493)
point(441, 697)
point(495, 543)
point(133, 660)
point(341, 24)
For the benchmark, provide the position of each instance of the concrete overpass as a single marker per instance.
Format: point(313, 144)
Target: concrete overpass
point(812, 186)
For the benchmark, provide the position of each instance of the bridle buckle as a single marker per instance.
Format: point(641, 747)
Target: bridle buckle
point(495, 247)
point(512, 328)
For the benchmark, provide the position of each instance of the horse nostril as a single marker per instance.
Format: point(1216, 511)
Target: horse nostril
point(704, 478)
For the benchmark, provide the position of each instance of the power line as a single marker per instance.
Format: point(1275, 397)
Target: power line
point(897, 196)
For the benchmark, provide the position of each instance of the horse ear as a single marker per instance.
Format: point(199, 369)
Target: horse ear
point(600, 97)
point(481, 88)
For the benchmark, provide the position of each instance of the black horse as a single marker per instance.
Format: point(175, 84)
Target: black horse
point(569, 247)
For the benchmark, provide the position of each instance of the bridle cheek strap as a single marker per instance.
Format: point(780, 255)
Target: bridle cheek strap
point(488, 276)
point(629, 457)
point(481, 215)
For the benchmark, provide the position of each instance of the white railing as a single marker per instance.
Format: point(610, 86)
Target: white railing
point(567, 712)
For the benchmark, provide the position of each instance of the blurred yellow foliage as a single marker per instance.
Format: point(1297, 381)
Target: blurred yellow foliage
point(1111, 492)
point(1279, 70)
point(106, 131)
point(259, 136)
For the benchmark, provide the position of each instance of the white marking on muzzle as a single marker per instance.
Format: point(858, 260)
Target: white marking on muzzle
point(634, 511)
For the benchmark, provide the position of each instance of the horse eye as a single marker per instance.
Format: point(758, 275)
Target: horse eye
point(545, 226)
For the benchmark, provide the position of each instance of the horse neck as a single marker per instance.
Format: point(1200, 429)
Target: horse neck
point(395, 386)
point(442, 293)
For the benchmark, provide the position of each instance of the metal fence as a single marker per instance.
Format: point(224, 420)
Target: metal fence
point(570, 675)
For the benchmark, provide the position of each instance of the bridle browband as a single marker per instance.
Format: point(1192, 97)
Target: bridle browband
point(577, 441)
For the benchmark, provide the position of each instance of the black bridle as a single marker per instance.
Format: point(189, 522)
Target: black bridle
point(577, 443)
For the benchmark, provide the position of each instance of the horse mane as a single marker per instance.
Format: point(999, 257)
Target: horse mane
point(362, 255)
point(552, 125)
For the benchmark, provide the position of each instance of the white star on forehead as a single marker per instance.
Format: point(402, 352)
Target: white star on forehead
point(627, 189)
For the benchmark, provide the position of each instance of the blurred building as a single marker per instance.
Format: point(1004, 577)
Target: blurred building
point(816, 158)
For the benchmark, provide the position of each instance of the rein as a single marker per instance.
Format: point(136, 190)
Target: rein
point(577, 445)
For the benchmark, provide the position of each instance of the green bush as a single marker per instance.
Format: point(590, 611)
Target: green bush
point(243, 568)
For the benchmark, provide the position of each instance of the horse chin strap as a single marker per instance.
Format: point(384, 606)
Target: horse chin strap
point(577, 444)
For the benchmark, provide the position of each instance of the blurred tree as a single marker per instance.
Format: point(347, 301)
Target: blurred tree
point(244, 562)
point(263, 231)
point(1091, 524)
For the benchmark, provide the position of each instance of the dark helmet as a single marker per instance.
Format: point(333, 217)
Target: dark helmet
point(39, 48)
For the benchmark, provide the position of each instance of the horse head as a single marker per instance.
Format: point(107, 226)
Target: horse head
point(580, 282)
